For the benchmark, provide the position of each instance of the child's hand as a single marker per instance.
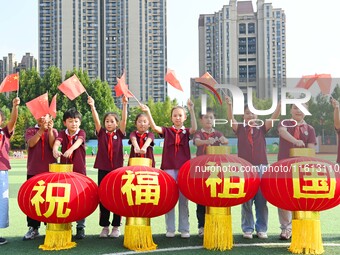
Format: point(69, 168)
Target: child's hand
point(90, 101)
point(50, 124)
point(125, 100)
point(137, 150)
point(57, 154)
point(16, 101)
point(228, 99)
point(68, 153)
point(299, 143)
point(223, 140)
point(190, 105)
point(211, 140)
point(335, 103)
point(142, 150)
point(144, 108)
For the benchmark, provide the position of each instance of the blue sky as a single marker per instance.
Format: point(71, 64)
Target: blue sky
point(312, 34)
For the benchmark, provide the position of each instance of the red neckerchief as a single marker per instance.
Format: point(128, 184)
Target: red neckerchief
point(250, 138)
point(141, 141)
point(298, 129)
point(69, 144)
point(177, 138)
point(110, 145)
point(206, 137)
point(1, 135)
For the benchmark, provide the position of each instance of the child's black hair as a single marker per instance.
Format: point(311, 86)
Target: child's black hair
point(72, 113)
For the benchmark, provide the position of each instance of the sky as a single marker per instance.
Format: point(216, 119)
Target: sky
point(312, 35)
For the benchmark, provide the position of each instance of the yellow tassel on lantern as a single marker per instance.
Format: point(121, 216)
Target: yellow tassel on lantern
point(218, 233)
point(58, 236)
point(217, 226)
point(137, 233)
point(306, 230)
point(306, 233)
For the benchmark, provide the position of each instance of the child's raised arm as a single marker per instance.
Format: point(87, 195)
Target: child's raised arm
point(95, 116)
point(193, 121)
point(122, 125)
point(14, 115)
point(153, 125)
point(335, 105)
point(230, 115)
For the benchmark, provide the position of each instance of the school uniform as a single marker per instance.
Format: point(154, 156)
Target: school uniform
point(109, 157)
point(141, 139)
point(176, 152)
point(251, 146)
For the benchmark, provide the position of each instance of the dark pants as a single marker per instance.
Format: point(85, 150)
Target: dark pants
point(104, 218)
point(200, 213)
point(31, 222)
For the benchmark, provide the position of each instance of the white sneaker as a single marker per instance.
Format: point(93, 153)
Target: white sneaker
point(115, 232)
point(170, 234)
point(185, 234)
point(31, 234)
point(201, 232)
point(248, 235)
point(262, 235)
point(105, 232)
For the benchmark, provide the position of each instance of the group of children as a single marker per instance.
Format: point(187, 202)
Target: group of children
point(43, 143)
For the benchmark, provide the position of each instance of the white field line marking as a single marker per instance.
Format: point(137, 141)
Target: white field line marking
point(201, 247)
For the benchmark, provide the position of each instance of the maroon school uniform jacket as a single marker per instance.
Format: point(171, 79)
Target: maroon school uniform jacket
point(307, 135)
point(4, 148)
point(40, 156)
point(78, 155)
point(149, 150)
point(254, 153)
point(103, 160)
point(173, 156)
point(203, 135)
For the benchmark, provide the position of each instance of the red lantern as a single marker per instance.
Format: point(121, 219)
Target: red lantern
point(218, 180)
point(58, 197)
point(302, 184)
point(138, 191)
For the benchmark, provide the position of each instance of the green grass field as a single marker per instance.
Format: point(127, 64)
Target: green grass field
point(92, 244)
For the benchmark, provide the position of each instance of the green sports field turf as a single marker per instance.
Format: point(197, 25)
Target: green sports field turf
point(93, 245)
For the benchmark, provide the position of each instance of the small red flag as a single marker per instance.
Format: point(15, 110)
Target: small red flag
point(10, 83)
point(39, 106)
point(306, 81)
point(209, 82)
point(53, 107)
point(325, 83)
point(172, 80)
point(122, 88)
point(72, 87)
point(207, 79)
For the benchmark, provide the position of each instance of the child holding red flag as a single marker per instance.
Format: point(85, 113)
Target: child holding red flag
point(72, 141)
point(176, 151)
point(141, 140)
point(293, 134)
point(40, 140)
point(109, 157)
point(203, 138)
point(251, 145)
point(5, 135)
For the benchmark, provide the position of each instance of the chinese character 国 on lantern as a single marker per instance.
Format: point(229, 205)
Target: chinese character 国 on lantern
point(304, 185)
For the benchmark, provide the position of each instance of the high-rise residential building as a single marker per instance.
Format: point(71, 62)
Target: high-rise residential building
point(104, 37)
point(242, 47)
